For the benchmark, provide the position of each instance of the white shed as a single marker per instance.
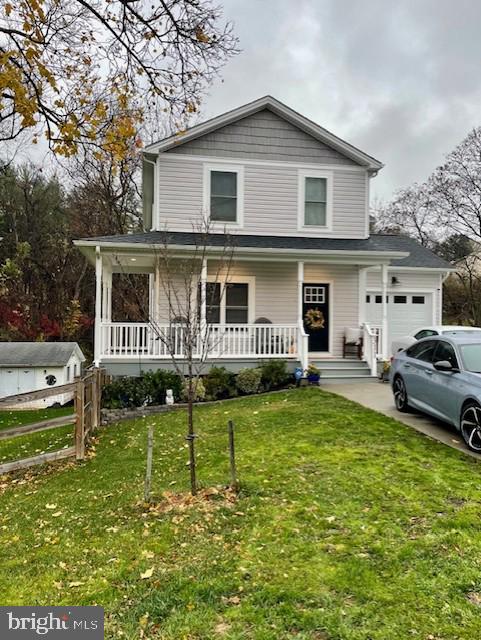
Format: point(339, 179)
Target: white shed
point(29, 366)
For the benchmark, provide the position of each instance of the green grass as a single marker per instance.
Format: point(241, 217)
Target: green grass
point(11, 419)
point(30, 445)
point(349, 526)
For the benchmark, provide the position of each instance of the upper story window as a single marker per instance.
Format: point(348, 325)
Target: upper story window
point(315, 200)
point(223, 194)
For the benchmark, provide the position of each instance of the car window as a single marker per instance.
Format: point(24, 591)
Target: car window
point(471, 356)
point(425, 333)
point(422, 351)
point(445, 351)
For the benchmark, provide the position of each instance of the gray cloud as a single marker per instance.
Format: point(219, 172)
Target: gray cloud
point(400, 80)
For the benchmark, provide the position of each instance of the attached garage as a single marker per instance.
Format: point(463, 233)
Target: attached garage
point(406, 311)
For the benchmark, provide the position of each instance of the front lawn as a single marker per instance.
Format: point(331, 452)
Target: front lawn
point(349, 526)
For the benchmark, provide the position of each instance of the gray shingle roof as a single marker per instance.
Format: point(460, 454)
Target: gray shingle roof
point(419, 256)
point(37, 354)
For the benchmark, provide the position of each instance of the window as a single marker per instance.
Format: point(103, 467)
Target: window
point(368, 299)
point(223, 196)
point(236, 303)
point(425, 333)
point(445, 351)
point(418, 299)
point(471, 354)
point(226, 304)
point(400, 299)
point(315, 294)
point(379, 299)
point(75, 370)
point(422, 351)
point(223, 193)
point(68, 374)
point(213, 302)
point(315, 199)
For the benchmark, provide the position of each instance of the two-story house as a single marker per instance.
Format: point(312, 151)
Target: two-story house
point(306, 272)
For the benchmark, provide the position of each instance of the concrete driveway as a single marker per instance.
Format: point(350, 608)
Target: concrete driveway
point(378, 396)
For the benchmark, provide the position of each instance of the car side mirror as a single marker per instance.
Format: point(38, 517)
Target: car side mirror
point(445, 365)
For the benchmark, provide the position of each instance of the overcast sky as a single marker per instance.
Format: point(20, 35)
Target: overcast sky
point(401, 80)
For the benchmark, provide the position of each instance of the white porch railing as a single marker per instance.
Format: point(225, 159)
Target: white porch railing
point(372, 345)
point(142, 340)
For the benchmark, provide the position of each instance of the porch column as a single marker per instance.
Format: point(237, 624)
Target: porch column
point(384, 343)
point(106, 294)
point(303, 340)
point(151, 296)
point(362, 295)
point(98, 307)
point(203, 295)
point(300, 283)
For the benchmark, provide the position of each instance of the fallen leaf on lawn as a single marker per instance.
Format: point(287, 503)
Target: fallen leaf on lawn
point(148, 554)
point(147, 574)
point(475, 598)
point(56, 514)
point(234, 600)
point(330, 518)
point(62, 565)
point(50, 506)
point(75, 584)
point(144, 620)
point(222, 628)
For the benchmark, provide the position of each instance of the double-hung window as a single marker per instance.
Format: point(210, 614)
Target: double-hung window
point(315, 200)
point(227, 303)
point(223, 194)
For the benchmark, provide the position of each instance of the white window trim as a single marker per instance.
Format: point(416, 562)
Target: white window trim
point(251, 294)
point(230, 168)
point(301, 194)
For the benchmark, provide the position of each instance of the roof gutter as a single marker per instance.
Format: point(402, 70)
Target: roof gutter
point(212, 249)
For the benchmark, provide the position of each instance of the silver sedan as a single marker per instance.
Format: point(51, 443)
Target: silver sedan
point(441, 376)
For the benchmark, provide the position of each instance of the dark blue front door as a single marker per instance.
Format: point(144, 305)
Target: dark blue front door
point(315, 311)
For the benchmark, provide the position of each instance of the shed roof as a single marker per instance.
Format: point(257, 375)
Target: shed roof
point(38, 354)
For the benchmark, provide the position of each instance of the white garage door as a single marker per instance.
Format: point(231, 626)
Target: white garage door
point(406, 312)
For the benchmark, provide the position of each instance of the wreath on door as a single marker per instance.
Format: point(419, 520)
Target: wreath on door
point(314, 319)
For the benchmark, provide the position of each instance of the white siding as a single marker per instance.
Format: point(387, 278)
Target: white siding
point(270, 199)
point(411, 281)
point(276, 293)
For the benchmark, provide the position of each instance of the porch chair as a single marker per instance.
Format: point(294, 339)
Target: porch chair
point(260, 347)
point(352, 343)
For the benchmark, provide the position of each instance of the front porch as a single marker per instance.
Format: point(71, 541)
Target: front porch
point(268, 301)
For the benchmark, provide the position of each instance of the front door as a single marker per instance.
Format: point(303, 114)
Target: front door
point(315, 311)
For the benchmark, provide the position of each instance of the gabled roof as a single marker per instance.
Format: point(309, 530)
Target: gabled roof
point(38, 354)
point(402, 250)
point(280, 109)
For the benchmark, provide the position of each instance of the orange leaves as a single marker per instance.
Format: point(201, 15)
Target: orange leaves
point(8, 9)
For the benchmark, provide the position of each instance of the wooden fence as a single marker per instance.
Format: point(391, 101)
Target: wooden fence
point(87, 395)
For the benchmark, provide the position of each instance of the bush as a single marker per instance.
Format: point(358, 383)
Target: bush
point(249, 380)
point(274, 374)
point(125, 392)
point(199, 390)
point(157, 383)
point(219, 384)
point(149, 388)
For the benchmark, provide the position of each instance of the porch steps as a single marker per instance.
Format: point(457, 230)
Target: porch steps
point(343, 370)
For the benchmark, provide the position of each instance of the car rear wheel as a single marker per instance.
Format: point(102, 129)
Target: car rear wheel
point(471, 426)
point(400, 395)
